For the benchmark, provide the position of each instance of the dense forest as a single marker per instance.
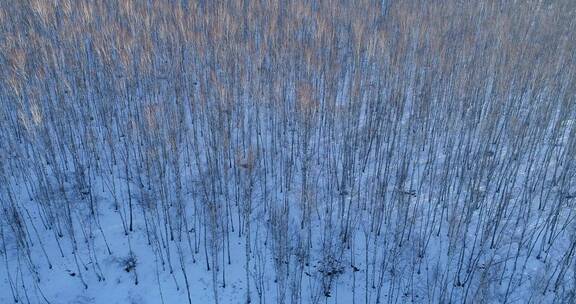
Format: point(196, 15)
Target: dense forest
point(296, 151)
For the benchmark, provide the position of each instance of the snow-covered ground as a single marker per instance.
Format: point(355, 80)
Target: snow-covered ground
point(287, 152)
